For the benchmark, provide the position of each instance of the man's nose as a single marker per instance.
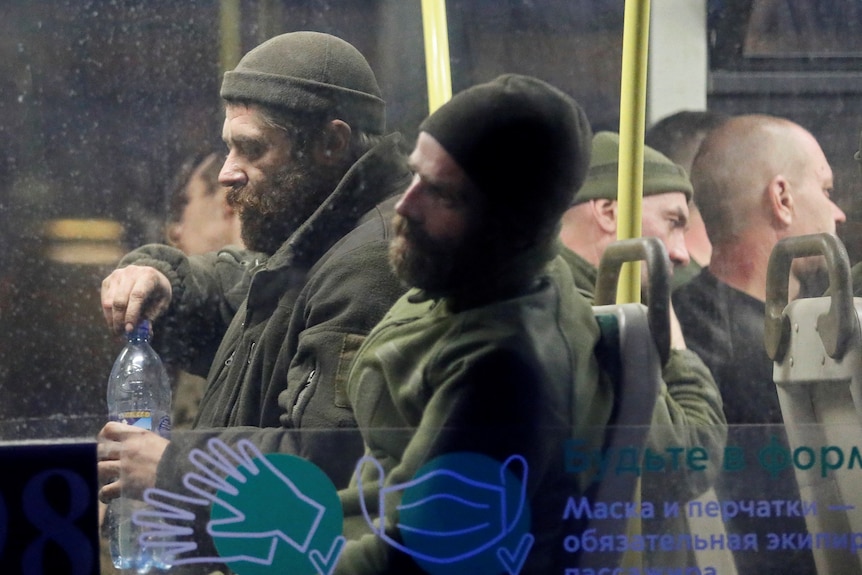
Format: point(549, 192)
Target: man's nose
point(838, 214)
point(409, 205)
point(678, 252)
point(174, 233)
point(231, 175)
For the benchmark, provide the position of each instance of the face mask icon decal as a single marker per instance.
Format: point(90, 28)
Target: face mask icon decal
point(460, 512)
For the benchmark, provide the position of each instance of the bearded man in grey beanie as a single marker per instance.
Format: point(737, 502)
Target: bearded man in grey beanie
point(310, 170)
point(486, 367)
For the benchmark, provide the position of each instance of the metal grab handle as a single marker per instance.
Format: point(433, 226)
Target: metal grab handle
point(653, 252)
point(837, 326)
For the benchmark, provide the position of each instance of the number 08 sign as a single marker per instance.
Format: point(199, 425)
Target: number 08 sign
point(48, 508)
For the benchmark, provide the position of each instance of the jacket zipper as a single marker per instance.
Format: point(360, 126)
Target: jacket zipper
point(301, 396)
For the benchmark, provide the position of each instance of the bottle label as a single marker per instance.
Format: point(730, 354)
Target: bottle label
point(143, 419)
point(164, 428)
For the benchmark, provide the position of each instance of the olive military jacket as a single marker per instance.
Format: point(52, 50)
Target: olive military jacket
point(514, 377)
point(688, 412)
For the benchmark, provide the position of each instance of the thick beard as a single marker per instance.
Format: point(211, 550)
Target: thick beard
point(422, 262)
point(271, 212)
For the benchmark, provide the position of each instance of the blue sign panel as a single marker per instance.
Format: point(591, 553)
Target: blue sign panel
point(49, 509)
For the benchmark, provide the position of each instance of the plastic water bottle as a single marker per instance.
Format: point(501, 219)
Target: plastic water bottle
point(139, 394)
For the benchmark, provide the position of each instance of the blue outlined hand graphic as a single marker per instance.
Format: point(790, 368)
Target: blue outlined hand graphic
point(462, 513)
point(269, 514)
point(168, 525)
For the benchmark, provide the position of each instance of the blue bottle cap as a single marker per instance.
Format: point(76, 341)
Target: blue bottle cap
point(141, 332)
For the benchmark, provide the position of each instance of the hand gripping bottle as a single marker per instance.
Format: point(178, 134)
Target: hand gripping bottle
point(139, 394)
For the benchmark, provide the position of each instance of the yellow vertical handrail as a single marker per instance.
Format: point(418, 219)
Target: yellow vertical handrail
point(632, 125)
point(437, 67)
point(229, 35)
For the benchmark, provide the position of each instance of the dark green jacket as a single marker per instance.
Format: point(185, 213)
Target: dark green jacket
point(300, 316)
point(688, 412)
point(517, 376)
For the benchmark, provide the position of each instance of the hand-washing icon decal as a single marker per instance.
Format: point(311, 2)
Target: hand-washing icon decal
point(276, 513)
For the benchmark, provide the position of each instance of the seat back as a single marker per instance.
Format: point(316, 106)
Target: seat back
point(817, 352)
point(632, 355)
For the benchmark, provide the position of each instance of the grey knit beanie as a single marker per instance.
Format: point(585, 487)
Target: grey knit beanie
point(660, 174)
point(309, 72)
point(523, 143)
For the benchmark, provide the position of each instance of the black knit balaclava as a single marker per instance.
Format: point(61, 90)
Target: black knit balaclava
point(523, 143)
point(310, 73)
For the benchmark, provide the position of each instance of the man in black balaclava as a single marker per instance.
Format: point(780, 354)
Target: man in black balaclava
point(486, 367)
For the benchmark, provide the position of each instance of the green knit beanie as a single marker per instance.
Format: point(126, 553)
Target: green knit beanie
point(523, 143)
point(309, 72)
point(661, 175)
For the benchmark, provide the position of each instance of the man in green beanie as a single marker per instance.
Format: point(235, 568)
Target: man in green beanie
point(480, 373)
point(311, 172)
point(591, 222)
point(688, 413)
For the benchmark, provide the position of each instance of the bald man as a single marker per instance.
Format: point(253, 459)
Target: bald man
point(758, 179)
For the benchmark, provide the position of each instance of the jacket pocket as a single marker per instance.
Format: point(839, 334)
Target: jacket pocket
point(349, 348)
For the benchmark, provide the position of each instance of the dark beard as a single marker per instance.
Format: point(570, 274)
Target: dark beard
point(274, 210)
point(422, 262)
point(481, 267)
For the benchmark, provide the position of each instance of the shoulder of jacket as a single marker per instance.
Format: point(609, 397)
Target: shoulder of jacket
point(374, 227)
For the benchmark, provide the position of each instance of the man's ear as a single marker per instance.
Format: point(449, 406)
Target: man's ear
point(333, 143)
point(780, 199)
point(605, 213)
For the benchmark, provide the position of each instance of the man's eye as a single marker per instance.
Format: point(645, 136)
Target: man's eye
point(436, 192)
point(250, 151)
point(255, 151)
point(446, 198)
